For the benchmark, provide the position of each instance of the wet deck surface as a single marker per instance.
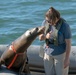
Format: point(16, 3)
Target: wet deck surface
point(36, 73)
point(4, 71)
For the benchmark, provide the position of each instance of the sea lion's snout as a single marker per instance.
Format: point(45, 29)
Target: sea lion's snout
point(41, 30)
point(34, 30)
point(37, 30)
point(31, 31)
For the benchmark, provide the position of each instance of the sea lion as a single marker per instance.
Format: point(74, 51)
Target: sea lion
point(16, 54)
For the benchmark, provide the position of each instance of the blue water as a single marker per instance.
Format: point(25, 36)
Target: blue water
point(16, 16)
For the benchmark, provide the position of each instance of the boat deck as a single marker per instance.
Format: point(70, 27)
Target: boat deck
point(4, 71)
point(36, 73)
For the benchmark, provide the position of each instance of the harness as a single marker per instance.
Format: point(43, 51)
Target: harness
point(57, 28)
point(15, 57)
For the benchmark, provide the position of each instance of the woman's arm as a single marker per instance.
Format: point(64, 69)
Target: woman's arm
point(67, 54)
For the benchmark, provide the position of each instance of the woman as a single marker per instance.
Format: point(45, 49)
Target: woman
point(57, 46)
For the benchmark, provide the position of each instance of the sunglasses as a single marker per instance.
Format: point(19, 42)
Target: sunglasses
point(48, 21)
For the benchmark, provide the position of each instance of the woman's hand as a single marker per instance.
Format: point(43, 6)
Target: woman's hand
point(66, 63)
point(48, 35)
point(42, 37)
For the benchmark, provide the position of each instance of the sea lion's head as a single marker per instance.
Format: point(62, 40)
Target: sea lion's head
point(35, 31)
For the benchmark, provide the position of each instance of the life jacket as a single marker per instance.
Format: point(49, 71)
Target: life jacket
point(57, 28)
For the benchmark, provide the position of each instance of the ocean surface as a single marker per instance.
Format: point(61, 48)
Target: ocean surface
point(17, 16)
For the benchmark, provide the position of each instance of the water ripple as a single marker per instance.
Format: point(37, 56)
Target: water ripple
point(16, 16)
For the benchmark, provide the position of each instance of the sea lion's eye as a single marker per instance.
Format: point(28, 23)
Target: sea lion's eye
point(30, 33)
point(36, 28)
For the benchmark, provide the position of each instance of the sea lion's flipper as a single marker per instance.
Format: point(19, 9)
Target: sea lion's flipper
point(24, 70)
point(1, 62)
